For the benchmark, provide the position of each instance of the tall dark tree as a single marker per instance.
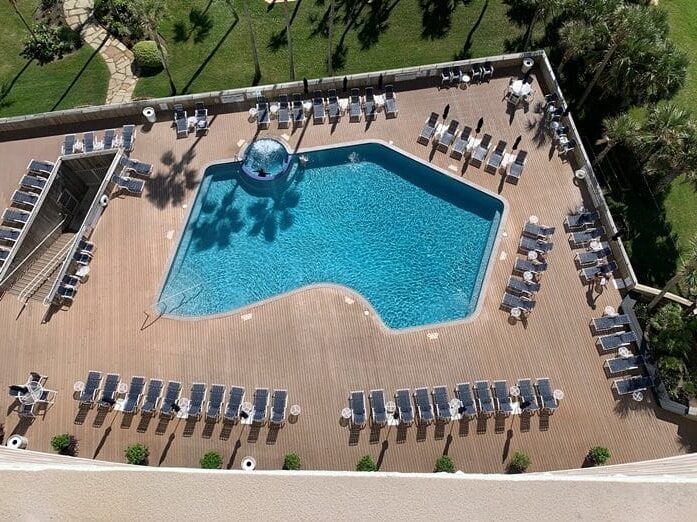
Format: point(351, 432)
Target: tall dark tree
point(252, 40)
point(291, 64)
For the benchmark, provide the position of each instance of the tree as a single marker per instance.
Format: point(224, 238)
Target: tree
point(366, 464)
point(291, 63)
point(519, 463)
point(620, 129)
point(598, 455)
point(21, 17)
point(211, 460)
point(670, 332)
point(151, 13)
point(252, 41)
point(687, 272)
point(65, 444)
point(541, 10)
point(137, 454)
point(575, 38)
point(444, 464)
point(330, 27)
point(291, 461)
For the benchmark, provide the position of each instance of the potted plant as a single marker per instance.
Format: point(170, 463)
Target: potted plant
point(64, 444)
point(444, 464)
point(211, 460)
point(597, 456)
point(366, 464)
point(519, 463)
point(137, 454)
point(291, 461)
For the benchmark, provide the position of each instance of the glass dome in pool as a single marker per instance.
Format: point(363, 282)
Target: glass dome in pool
point(266, 159)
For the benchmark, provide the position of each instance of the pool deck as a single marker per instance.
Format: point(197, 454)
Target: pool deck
point(316, 343)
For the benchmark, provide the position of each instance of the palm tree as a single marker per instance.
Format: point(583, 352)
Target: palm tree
point(291, 64)
point(330, 27)
point(575, 38)
point(253, 41)
point(543, 9)
point(687, 273)
point(620, 129)
point(21, 17)
point(151, 13)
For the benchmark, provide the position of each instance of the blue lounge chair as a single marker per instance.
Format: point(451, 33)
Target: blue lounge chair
point(9, 235)
point(581, 219)
point(528, 399)
point(525, 265)
point(298, 111)
point(632, 384)
point(88, 142)
point(181, 121)
point(169, 403)
point(579, 239)
point(461, 143)
point(538, 231)
point(503, 400)
point(201, 114)
point(152, 396)
point(515, 169)
point(525, 288)
point(481, 151)
point(317, 108)
point(279, 403)
point(15, 216)
point(496, 157)
point(107, 396)
point(128, 137)
point(89, 392)
point(215, 402)
point(135, 393)
point(391, 110)
point(429, 129)
point(547, 399)
point(198, 395)
point(355, 105)
point(109, 141)
point(624, 364)
point(404, 408)
point(27, 199)
point(616, 341)
point(260, 405)
point(369, 106)
point(333, 106)
point(593, 258)
point(357, 405)
point(234, 404)
point(603, 270)
point(486, 403)
point(32, 183)
point(423, 405)
point(377, 407)
point(610, 322)
point(537, 245)
point(134, 186)
point(440, 399)
point(69, 144)
point(283, 112)
point(41, 168)
point(464, 394)
point(263, 113)
point(448, 136)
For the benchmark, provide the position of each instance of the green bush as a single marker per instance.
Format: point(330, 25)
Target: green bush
point(137, 454)
point(291, 462)
point(519, 463)
point(65, 444)
point(211, 460)
point(366, 464)
point(146, 55)
point(46, 45)
point(670, 332)
point(122, 22)
point(444, 464)
point(47, 5)
point(598, 455)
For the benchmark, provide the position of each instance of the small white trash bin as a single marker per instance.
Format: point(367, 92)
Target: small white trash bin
point(528, 64)
point(149, 114)
point(249, 464)
point(17, 442)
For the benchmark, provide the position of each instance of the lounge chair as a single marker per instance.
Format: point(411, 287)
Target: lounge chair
point(198, 395)
point(461, 144)
point(511, 301)
point(66, 293)
point(136, 167)
point(9, 235)
point(283, 112)
point(32, 183)
point(377, 407)
point(463, 391)
point(279, 403)
point(515, 169)
point(135, 393)
point(16, 216)
point(391, 110)
point(525, 265)
point(41, 168)
point(135, 186)
point(169, 403)
point(446, 76)
point(404, 409)
point(540, 246)
point(215, 401)
point(263, 112)
point(581, 219)
point(234, 404)
point(357, 404)
point(70, 281)
point(107, 395)
point(448, 136)
point(496, 157)
point(603, 270)
point(28, 199)
point(615, 341)
point(69, 144)
point(476, 73)
point(317, 108)
point(355, 105)
point(201, 115)
point(481, 151)
point(547, 399)
point(261, 402)
point(298, 110)
point(152, 396)
point(82, 258)
point(86, 246)
point(429, 129)
point(486, 403)
point(423, 405)
point(632, 384)
point(88, 142)
point(623, 364)
point(109, 141)
point(594, 257)
point(333, 106)
point(583, 238)
point(504, 404)
point(528, 399)
point(369, 106)
point(88, 393)
point(128, 137)
point(181, 121)
point(538, 231)
point(525, 288)
point(440, 399)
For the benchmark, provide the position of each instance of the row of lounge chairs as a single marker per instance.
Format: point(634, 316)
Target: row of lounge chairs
point(481, 399)
point(167, 400)
point(23, 203)
point(132, 167)
point(181, 120)
point(476, 73)
point(89, 143)
point(67, 290)
point(584, 229)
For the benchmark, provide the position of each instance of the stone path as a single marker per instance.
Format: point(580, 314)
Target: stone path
point(118, 58)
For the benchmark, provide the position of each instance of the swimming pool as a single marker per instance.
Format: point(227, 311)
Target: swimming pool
point(413, 241)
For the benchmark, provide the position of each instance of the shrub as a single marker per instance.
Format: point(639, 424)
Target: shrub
point(366, 464)
point(598, 455)
point(444, 464)
point(519, 463)
point(46, 45)
point(146, 55)
point(47, 5)
point(211, 460)
point(65, 444)
point(291, 462)
point(670, 331)
point(137, 454)
point(122, 22)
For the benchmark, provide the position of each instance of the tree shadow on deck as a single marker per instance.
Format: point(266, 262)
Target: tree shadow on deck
point(169, 187)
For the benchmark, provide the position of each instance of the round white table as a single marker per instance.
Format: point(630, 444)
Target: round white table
point(390, 407)
point(638, 396)
point(183, 412)
point(346, 413)
point(307, 105)
point(580, 174)
point(532, 255)
point(520, 88)
point(33, 394)
point(83, 271)
point(554, 125)
point(533, 220)
point(466, 79)
point(609, 310)
point(595, 245)
point(122, 387)
point(247, 407)
point(455, 405)
point(253, 113)
point(343, 105)
point(274, 107)
point(558, 394)
point(528, 276)
point(624, 352)
point(79, 386)
point(295, 410)
point(515, 391)
point(516, 312)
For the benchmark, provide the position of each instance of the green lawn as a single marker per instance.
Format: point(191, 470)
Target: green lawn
point(78, 79)
point(222, 58)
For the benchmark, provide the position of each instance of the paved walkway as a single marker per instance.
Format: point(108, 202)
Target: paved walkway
point(118, 58)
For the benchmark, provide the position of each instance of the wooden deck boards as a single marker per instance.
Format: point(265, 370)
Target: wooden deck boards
point(315, 344)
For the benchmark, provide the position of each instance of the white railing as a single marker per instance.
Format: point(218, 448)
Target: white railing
point(45, 272)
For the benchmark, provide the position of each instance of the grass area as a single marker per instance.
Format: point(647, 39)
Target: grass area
point(80, 78)
point(218, 56)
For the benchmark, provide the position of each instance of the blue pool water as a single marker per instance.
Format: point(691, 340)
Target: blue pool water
point(414, 242)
